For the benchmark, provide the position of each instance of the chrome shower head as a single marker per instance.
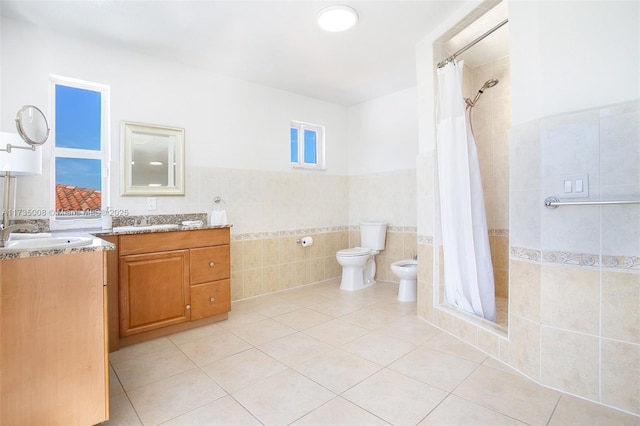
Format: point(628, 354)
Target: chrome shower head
point(490, 83)
point(487, 85)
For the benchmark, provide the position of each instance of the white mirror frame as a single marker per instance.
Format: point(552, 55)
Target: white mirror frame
point(175, 136)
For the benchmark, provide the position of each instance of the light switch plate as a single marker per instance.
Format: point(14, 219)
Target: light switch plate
point(573, 186)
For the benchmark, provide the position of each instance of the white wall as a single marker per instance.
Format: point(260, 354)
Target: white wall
point(229, 123)
point(383, 133)
point(382, 150)
point(571, 56)
point(236, 135)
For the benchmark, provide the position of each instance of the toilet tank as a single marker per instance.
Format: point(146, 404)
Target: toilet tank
point(372, 235)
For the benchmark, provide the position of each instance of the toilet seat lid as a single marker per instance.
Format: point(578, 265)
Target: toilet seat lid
point(356, 251)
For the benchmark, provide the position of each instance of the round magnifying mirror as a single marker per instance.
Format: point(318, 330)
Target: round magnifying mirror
point(32, 125)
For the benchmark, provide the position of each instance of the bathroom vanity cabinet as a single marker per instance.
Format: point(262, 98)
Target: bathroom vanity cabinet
point(53, 352)
point(169, 281)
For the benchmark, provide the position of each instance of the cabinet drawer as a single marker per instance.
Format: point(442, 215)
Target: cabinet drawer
point(209, 264)
point(210, 299)
point(172, 240)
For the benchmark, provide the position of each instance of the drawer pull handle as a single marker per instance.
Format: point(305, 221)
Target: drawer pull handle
point(213, 299)
point(188, 306)
point(211, 264)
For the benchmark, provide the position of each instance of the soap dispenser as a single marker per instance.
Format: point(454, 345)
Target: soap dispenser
point(107, 223)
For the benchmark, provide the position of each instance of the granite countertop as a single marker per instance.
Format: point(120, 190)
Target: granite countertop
point(103, 232)
point(98, 244)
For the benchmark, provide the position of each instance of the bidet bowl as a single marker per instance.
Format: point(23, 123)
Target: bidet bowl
point(405, 269)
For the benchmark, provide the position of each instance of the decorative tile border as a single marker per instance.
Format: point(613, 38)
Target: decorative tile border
point(311, 231)
point(568, 258)
point(588, 260)
point(525, 254)
point(621, 262)
point(425, 239)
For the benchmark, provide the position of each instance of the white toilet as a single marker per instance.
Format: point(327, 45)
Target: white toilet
point(407, 271)
point(359, 264)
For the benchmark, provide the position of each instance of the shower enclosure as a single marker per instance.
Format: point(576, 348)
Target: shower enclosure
point(486, 94)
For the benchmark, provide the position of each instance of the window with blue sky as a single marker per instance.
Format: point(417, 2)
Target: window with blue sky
point(80, 152)
point(306, 145)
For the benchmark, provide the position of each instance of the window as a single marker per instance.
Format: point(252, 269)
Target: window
point(80, 152)
point(307, 145)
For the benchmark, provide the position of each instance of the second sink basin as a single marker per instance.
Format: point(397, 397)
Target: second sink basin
point(132, 228)
point(47, 243)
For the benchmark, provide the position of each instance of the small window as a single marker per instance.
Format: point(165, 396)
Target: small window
point(307, 145)
point(80, 153)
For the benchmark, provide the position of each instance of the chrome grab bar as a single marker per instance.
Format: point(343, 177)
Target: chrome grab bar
point(554, 202)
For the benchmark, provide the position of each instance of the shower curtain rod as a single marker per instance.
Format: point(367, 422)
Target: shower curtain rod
point(473, 43)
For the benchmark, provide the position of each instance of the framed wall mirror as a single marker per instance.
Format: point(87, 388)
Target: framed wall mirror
point(152, 159)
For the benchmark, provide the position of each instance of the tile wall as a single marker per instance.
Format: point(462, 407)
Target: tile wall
point(574, 289)
point(270, 211)
point(262, 264)
point(491, 118)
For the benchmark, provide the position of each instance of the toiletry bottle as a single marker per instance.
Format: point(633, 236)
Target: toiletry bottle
point(106, 220)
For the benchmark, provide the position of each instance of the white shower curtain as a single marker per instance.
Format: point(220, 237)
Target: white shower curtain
point(468, 272)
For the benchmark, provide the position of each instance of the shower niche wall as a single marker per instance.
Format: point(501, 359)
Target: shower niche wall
point(491, 120)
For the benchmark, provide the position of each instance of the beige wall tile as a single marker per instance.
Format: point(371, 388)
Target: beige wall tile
point(501, 252)
point(303, 270)
point(252, 282)
point(287, 249)
point(383, 270)
point(288, 275)
point(620, 306)
point(501, 282)
point(316, 270)
point(489, 342)
point(236, 255)
point(525, 289)
point(302, 253)
point(237, 288)
point(410, 245)
point(425, 262)
point(252, 254)
point(570, 362)
point(524, 347)
point(620, 375)
point(394, 246)
point(271, 251)
point(570, 298)
point(271, 279)
point(332, 268)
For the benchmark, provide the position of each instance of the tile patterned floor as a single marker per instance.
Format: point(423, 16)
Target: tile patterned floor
point(320, 356)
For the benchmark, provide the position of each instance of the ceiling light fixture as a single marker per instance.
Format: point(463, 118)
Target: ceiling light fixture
point(337, 18)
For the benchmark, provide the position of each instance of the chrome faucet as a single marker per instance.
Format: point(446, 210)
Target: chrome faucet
point(5, 233)
point(143, 222)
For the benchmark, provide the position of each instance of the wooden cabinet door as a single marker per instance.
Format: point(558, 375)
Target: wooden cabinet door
point(52, 342)
point(154, 291)
point(210, 299)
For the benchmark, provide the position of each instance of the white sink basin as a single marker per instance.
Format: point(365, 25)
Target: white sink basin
point(145, 228)
point(47, 243)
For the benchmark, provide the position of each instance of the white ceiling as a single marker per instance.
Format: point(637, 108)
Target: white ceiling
point(275, 43)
